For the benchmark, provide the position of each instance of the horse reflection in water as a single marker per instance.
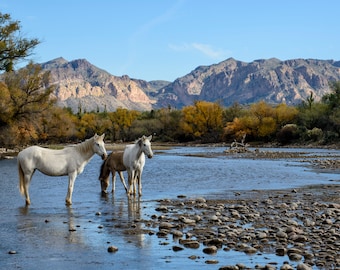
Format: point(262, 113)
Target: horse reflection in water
point(61, 234)
point(69, 161)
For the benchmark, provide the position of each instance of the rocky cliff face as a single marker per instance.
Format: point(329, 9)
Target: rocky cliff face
point(271, 80)
point(80, 83)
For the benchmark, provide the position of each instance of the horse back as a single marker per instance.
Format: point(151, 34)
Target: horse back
point(116, 161)
point(48, 161)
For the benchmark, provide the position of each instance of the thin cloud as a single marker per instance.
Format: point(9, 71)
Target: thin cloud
point(205, 49)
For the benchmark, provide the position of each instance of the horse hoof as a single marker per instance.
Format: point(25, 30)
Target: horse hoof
point(68, 203)
point(28, 203)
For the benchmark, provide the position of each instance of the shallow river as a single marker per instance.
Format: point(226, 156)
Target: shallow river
point(49, 235)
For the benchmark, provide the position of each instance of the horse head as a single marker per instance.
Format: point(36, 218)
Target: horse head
point(145, 145)
point(99, 146)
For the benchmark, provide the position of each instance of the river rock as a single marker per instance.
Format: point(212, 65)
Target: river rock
point(295, 256)
point(177, 248)
point(177, 233)
point(281, 234)
point(280, 251)
point(211, 261)
point(303, 266)
point(112, 249)
point(187, 220)
point(165, 225)
point(189, 243)
point(286, 266)
point(210, 250)
point(229, 267)
point(215, 242)
point(162, 208)
point(250, 250)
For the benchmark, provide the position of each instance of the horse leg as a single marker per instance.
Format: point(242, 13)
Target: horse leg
point(24, 181)
point(71, 179)
point(113, 181)
point(121, 176)
point(27, 179)
point(131, 177)
point(135, 184)
point(140, 185)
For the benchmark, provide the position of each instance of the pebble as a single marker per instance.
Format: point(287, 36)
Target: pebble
point(303, 266)
point(177, 248)
point(165, 225)
point(210, 250)
point(211, 261)
point(112, 249)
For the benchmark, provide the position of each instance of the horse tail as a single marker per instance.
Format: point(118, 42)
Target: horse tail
point(21, 179)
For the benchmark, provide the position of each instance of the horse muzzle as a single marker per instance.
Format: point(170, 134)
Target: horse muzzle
point(150, 156)
point(104, 156)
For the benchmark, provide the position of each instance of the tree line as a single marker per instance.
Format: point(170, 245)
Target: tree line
point(29, 115)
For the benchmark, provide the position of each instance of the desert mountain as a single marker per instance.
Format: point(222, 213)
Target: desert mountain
point(79, 83)
point(272, 80)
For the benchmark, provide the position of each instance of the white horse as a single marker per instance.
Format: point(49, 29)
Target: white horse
point(69, 161)
point(134, 161)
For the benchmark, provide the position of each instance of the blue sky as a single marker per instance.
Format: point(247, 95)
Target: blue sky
point(167, 39)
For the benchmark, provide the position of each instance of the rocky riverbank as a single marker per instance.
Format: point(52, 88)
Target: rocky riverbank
point(303, 224)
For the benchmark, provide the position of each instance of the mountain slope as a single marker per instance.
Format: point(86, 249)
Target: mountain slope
point(272, 80)
point(79, 82)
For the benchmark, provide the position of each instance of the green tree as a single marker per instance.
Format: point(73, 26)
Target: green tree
point(13, 47)
point(332, 102)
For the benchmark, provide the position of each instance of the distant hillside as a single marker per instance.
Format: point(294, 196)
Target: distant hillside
point(81, 83)
point(272, 80)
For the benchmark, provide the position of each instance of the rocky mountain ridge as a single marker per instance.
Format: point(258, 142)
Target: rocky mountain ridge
point(78, 82)
point(271, 80)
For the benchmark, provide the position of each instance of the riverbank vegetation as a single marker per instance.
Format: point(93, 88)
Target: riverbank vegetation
point(29, 115)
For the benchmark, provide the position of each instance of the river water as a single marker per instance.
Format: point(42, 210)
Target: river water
point(49, 235)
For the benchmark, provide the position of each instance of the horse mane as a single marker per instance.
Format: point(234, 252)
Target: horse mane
point(85, 146)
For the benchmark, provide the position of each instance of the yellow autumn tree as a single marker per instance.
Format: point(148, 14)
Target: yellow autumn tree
point(203, 120)
point(240, 126)
point(58, 125)
point(285, 114)
point(121, 122)
point(259, 122)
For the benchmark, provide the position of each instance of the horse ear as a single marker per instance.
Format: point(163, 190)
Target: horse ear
point(95, 136)
point(150, 137)
point(103, 135)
